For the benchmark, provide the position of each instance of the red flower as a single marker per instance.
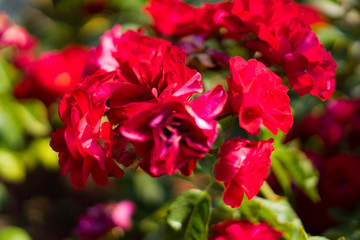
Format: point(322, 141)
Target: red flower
point(284, 38)
point(310, 69)
point(172, 135)
point(53, 74)
point(261, 17)
point(241, 229)
point(256, 94)
point(310, 15)
point(243, 167)
point(86, 146)
point(137, 69)
point(174, 17)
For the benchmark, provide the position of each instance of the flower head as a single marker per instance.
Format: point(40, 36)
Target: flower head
point(243, 166)
point(258, 96)
point(172, 135)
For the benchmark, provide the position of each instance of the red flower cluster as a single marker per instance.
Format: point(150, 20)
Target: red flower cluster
point(241, 229)
point(145, 99)
point(137, 95)
point(284, 38)
point(283, 35)
point(243, 167)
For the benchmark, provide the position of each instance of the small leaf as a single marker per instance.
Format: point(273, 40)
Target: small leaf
point(265, 134)
point(188, 216)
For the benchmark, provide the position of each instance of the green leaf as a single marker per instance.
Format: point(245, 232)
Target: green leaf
point(277, 214)
point(188, 216)
point(300, 168)
point(13, 233)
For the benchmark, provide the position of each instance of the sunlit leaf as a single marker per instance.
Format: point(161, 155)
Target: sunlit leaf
point(278, 214)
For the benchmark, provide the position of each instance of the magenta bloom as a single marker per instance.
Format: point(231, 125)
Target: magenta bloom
point(12, 35)
point(172, 135)
point(259, 97)
point(243, 167)
point(101, 218)
point(241, 229)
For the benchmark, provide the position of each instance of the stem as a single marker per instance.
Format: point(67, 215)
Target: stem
point(268, 193)
point(214, 152)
